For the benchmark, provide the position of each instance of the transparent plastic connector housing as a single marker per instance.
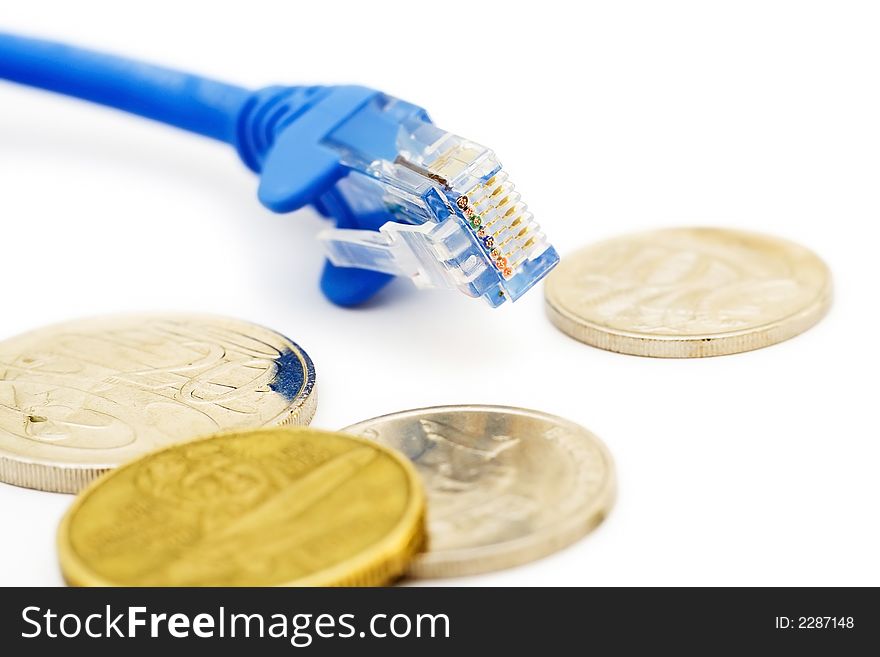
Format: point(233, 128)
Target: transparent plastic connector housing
point(457, 221)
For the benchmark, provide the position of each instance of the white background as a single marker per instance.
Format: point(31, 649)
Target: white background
point(759, 468)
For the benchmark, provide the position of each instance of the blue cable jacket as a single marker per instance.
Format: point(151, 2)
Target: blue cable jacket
point(251, 121)
point(190, 102)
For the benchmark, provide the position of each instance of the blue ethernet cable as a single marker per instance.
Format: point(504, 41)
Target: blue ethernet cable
point(408, 199)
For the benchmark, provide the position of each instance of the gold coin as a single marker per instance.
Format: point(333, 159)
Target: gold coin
point(688, 292)
point(82, 397)
point(505, 485)
point(272, 507)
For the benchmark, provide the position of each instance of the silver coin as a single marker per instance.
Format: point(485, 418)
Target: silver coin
point(688, 292)
point(80, 398)
point(505, 485)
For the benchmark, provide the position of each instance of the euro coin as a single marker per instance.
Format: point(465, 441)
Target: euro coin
point(270, 507)
point(505, 485)
point(688, 292)
point(80, 398)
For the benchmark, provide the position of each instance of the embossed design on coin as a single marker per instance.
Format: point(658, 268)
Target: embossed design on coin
point(80, 398)
point(688, 292)
point(504, 485)
point(271, 507)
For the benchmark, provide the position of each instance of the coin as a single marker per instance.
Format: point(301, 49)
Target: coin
point(269, 507)
point(79, 398)
point(504, 485)
point(688, 292)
